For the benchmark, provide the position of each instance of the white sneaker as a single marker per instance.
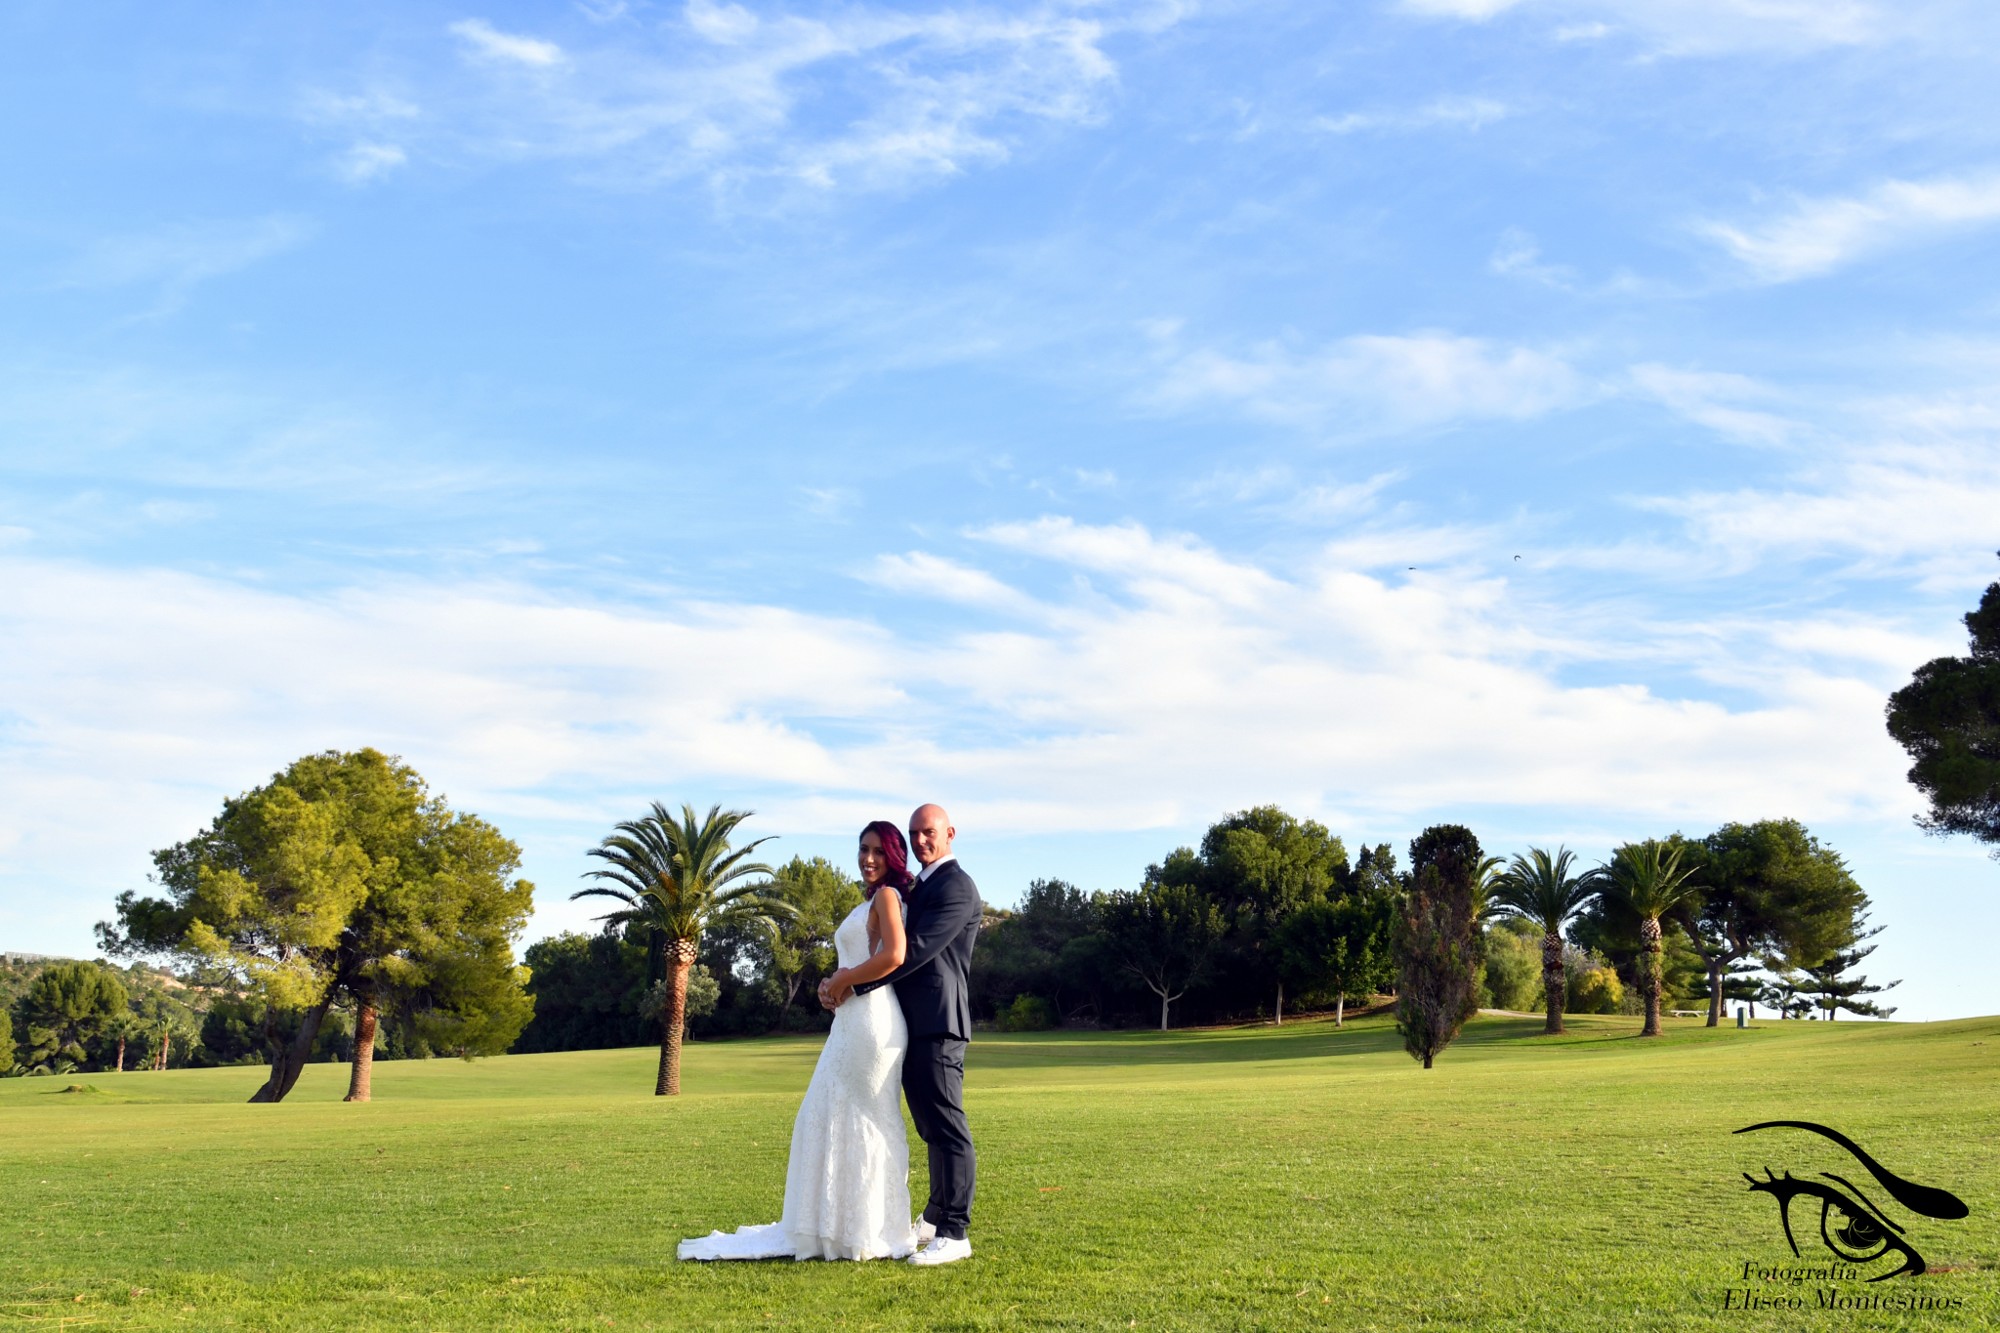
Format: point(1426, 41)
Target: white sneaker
point(942, 1250)
point(923, 1233)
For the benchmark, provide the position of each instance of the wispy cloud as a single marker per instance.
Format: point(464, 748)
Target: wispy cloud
point(1923, 511)
point(365, 162)
point(1719, 402)
point(175, 260)
point(861, 97)
point(485, 42)
point(1688, 27)
point(1816, 236)
point(1469, 113)
point(1372, 382)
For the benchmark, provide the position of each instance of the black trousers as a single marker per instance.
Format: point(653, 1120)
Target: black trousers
point(934, 1087)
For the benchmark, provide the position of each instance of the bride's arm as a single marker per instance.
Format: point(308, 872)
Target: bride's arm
point(887, 911)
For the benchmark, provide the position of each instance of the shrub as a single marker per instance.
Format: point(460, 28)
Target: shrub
point(1513, 977)
point(1596, 990)
point(1028, 1013)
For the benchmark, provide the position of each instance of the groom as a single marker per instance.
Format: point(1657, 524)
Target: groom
point(934, 987)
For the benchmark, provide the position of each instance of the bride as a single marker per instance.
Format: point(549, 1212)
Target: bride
point(847, 1185)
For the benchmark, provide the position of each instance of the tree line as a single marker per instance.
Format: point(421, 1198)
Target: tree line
point(343, 912)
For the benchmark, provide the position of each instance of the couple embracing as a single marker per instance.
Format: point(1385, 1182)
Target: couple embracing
point(901, 1014)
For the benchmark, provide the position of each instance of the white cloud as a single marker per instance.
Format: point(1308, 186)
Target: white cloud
point(1477, 11)
point(486, 42)
point(175, 260)
point(937, 578)
point(369, 161)
point(726, 25)
point(1691, 27)
point(1458, 112)
point(1161, 682)
point(1718, 402)
point(1926, 508)
point(765, 107)
point(1374, 382)
point(1815, 236)
point(373, 106)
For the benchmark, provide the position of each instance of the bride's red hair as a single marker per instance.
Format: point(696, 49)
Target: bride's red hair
point(894, 851)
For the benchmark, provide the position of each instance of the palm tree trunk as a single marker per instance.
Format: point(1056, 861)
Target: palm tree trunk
point(1649, 973)
point(361, 1078)
point(1555, 983)
point(121, 1057)
point(680, 962)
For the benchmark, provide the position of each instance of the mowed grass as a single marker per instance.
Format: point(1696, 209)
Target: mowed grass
point(1256, 1178)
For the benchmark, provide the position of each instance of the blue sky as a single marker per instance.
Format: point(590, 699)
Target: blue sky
point(1567, 417)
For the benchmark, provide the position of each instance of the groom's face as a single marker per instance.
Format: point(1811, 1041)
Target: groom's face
point(930, 833)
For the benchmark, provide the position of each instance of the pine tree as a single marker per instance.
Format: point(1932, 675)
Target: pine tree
point(1836, 991)
point(1437, 941)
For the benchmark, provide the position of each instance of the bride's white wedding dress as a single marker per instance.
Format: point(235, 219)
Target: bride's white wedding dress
point(847, 1186)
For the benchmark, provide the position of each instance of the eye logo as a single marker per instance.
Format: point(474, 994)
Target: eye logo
point(1851, 1226)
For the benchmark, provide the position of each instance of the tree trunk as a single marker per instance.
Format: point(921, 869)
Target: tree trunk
point(160, 1056)
point(1649, 973)
point(1280, 1020)
point(1427, 1059)
point(785, 1009)
point(1163, 1011)
point(288, 1059)
point(1715, 993)
point(361, 1077)
point(121, 1057)
point(680, 962)
point(1339, 1009)
point(1555, 983)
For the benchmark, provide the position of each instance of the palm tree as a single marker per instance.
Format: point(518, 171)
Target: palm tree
point(1647, 878)
point(1540, 889)
point(678, 878)
point(1486, 878)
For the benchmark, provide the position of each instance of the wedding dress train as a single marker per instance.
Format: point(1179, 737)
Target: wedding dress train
point(847, 1184)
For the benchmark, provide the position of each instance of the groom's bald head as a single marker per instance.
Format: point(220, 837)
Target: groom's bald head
point(931, 833)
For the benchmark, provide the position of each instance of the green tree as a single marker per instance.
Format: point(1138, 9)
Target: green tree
point(1648, 880)
point(678, 878)
point(1021, 952)
point(801, 949)
point(1948, 718)
point(1829, 983)
point(588, 990)
point(6, 1041)
point(1338, 948)
point(68, 1008)
point(1260, 866)
point(1165, 935)
point(1512, 978)
point(1541, 890)
point(1594, 988)
point(1770, 889)
point(1437, 941)
point(343, 880)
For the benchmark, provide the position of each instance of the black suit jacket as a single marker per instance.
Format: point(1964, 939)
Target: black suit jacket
point(934, 984)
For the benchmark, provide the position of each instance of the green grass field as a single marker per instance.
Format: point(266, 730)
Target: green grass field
point(1303, 1178)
